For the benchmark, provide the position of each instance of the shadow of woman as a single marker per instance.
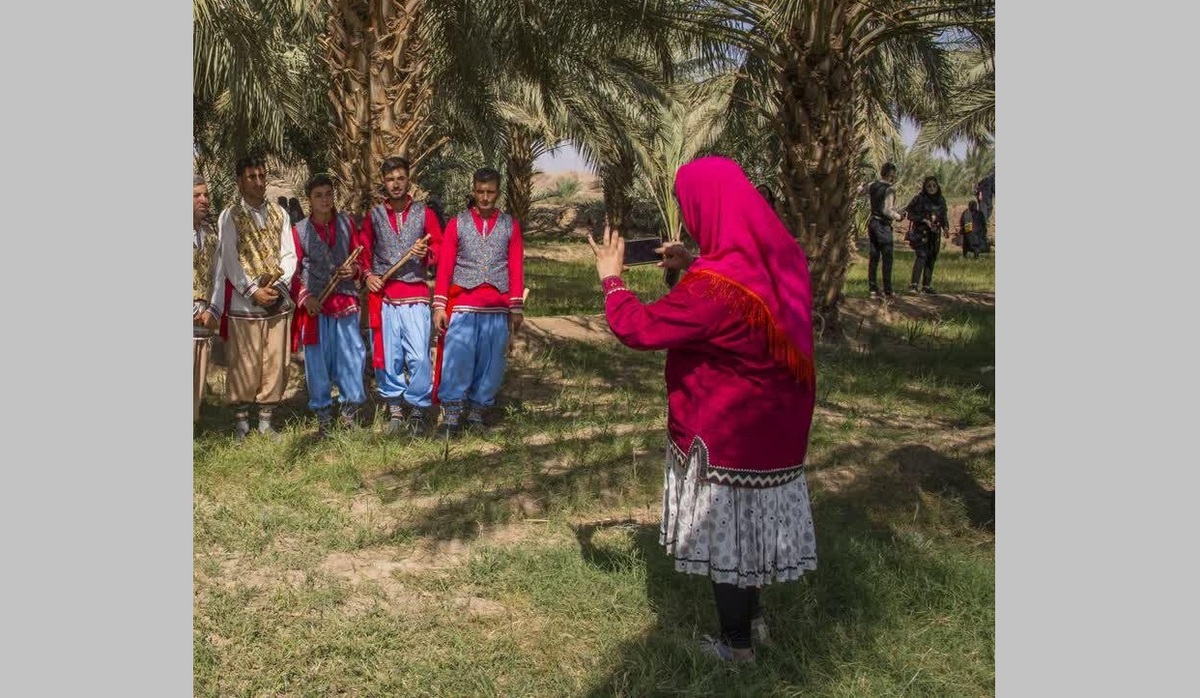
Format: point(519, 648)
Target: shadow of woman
point(661, 660)
point(818, 625)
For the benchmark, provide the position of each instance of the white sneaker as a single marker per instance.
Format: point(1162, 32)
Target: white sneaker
point(720, 650)
point(759, 633)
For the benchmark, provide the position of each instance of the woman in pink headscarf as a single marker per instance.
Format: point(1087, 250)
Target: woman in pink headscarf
point(740, 393)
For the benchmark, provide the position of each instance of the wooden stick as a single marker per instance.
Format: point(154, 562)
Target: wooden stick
point(407, 256)
point(333, 280)
point(268, 281)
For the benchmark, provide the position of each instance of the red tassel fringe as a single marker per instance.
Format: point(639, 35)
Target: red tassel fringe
point(748, 304)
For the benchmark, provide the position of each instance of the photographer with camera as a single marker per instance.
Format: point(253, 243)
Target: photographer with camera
point(928, 225)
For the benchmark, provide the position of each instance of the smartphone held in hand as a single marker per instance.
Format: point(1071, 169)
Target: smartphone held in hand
point(643, 251)
point(640, 247)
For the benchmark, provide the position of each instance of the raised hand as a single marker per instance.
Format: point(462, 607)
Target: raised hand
point(610, 253)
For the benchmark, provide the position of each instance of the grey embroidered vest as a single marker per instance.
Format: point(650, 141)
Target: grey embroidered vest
point(388, 247)
point(482, 259)
point(320, 260)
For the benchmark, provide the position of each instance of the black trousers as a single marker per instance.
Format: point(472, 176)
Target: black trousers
point(736, 607)
point(927, 254)
point(880, 236)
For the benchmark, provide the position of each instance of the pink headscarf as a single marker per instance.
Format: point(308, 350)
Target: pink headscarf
point(746, 248)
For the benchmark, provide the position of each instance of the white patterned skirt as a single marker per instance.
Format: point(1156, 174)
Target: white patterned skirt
point(748, 536)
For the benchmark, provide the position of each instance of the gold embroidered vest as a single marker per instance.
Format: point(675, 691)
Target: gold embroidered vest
point(202, 264)
point(258, 248)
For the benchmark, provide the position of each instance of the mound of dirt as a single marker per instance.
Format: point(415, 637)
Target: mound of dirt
point(588, 182)
point(867, 312)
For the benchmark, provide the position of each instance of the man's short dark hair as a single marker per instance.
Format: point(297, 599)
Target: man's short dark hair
point(394, 163)
point(247, 162)
point(318, 180)
point(887, 169)
point(486, 174)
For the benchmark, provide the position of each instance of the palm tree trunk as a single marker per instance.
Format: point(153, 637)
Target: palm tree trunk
point(816, 122)
point(617, 179)
point(401, 96)
point(518, 188)
point(381, 98)
point(347, 43)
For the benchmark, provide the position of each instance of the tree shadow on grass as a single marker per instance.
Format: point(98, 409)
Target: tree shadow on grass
point(825, 627)
point(525, 481)
point(806, 616)
point(894, 484)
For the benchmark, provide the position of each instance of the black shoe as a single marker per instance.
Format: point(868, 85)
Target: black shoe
point(873, 294)
point(395, 423)
point(912, 288)
point(415, 422)
point(349, 418)
point(324, 424)
point(475, 418)
point(929, 290)
point(888, 295)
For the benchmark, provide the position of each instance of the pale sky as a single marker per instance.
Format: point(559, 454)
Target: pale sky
point(567, 158)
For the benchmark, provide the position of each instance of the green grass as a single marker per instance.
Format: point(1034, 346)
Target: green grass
point(526, 563)
point(560, 288)
point(951, 273)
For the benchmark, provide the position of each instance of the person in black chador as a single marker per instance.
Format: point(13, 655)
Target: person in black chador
point(927, 213)
point(985, 194)
point(434, 202)
point(972, 226)
point(295, 210)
